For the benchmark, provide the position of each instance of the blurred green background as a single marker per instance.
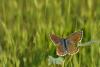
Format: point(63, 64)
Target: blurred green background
point(25, 26)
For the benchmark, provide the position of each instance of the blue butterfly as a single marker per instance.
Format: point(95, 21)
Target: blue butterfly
point(67, 45)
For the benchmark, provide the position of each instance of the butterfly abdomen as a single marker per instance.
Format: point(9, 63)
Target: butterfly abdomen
point(65, 44)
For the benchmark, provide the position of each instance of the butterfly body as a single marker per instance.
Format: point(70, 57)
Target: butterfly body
point(67, 45)
point(62, 47)
point(64, 43)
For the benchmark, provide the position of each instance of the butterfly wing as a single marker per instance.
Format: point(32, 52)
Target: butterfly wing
point(72, 49)
point(61, 51)
point(75, 37)
point(59, 45)
point(55, 39)
point(73, 40)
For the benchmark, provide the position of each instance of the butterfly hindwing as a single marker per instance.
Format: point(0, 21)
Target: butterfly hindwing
point(61, 49)
point(72, 49)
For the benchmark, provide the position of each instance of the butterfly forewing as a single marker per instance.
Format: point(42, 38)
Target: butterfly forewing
point(75, 37)
point(55, 39)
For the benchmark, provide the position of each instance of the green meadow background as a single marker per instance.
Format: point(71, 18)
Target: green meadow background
point(25, 26)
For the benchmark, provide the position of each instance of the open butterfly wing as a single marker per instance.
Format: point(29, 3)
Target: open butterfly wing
point(60, 51)
point(55, 39)
point(72, 49)
point(73, 39)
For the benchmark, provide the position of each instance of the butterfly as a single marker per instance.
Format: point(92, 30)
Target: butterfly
point(68, 45)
